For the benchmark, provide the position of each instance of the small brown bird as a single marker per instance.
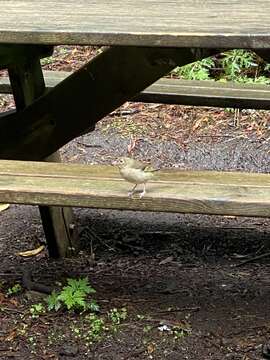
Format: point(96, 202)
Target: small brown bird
point(136, 172)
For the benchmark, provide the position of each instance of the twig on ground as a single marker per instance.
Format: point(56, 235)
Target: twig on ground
point(195, 308)
point(258, 257)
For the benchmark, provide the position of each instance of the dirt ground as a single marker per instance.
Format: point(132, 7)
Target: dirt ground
point(180, 277)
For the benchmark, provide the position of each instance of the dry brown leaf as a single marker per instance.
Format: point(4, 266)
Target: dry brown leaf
point(14, 302)
point(11, 336)
point(2, 298)
point(33, 252)
point(4, 207)
point(151, 348)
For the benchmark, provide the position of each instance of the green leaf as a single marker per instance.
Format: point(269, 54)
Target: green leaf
point(53, 301)
point(81, 284)
point(93, 306)
point(73, 296)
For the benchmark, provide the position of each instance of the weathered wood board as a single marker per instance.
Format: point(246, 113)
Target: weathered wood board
point(185, 92)
point(178, 23)
point(207, 192)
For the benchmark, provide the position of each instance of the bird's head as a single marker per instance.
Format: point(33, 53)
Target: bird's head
point(123, 161)
point(126, 161)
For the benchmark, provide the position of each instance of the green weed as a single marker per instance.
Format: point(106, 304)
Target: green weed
point(238, 65)
point(199, 70)
point(14, 290)
point(73, 296)
point(36, 310)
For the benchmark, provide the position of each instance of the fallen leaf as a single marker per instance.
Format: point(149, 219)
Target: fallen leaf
point(4, 207)
point(31, 252)
point(11, 335)
point(151, 348)
point(14, 302)
point(2, 298)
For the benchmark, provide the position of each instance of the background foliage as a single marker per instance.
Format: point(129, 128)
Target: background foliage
point(239, 65)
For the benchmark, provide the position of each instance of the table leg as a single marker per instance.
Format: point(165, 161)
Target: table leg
point(28, 84)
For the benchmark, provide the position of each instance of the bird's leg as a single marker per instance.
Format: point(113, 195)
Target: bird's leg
point(144, 191)
point(130, 193)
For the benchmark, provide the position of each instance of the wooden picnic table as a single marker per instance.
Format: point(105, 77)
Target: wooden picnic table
point(147, 39)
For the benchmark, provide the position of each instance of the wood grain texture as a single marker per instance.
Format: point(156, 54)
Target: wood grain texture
point(184, 92)
point(178, 23)
point(207, 93)
point(77, 185)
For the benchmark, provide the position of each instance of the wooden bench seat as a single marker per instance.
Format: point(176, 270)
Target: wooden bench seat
point(184, 92)
point(97, 186)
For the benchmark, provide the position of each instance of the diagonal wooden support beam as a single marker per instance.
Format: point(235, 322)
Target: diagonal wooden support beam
point(75, 105)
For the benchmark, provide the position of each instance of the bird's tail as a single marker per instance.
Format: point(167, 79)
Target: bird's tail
point(151, 170)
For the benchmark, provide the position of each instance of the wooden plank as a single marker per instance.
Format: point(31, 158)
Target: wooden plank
point(207, 93)
point(28, 84)
point(84, 172)
point(184, 92)
point(99, 87)
point(207, 192)
point(178, 23)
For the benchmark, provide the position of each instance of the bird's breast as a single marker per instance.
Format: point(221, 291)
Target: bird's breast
point(135, 176)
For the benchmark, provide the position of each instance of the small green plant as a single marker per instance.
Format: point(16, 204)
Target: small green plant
point(140, 317)
point(32, 344)
point(56, 336)
point(90, 330)
point(53, 301)
point(76, 331)
point(117, 315)
point(257, 80)
point(179, 333)
point(199, 70)
point(47, 60)
point(238, 65)
point(73, 296)
point(147, 328)
point(36, 310)
point(32, 340)
point(236, 62)
point(96, 327)
point(14, 290)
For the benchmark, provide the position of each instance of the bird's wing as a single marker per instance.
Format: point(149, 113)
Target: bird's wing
point(138, 165)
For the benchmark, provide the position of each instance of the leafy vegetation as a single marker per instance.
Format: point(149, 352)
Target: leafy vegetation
point(199, 70)
point(14, 290)
point(117, 315)
point(96, 327)
point(37, 309)
point(238, 65)
point(73, 296)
